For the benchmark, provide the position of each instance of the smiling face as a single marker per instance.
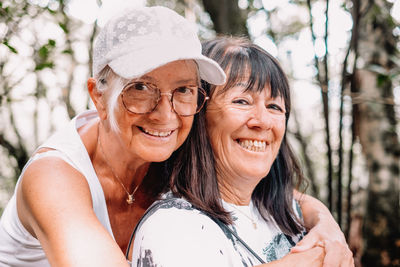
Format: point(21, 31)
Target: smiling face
point(246, 129)
point(155, 136)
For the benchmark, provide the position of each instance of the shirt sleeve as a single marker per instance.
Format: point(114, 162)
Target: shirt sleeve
point(179, 238)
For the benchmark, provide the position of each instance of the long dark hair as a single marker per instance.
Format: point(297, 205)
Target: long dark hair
point(192, 166)
point(192, 173)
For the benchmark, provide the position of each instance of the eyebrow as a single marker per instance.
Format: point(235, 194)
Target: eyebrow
point(240, 84)
point(184, 81)
point(145, 77)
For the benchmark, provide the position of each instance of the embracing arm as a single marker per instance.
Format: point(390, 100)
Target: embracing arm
point(324, 245)
point(323, 231)
point(319, 222)
point(55, 206)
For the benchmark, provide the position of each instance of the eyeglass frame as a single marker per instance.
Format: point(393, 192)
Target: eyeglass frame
point(169, 93)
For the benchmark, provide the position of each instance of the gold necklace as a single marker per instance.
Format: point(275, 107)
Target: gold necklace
point(242, 212)
point(131, 197)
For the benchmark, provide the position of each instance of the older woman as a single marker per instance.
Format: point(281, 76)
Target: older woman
point(240, 212)
point(77, 197)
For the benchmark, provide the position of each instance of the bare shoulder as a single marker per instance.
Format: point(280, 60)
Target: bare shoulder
point(52, 176)
point(49, 189)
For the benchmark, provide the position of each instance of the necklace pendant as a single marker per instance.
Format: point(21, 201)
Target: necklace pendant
point(130, 199)
point(254, 225)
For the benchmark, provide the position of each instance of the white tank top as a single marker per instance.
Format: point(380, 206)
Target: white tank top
point(17, 246)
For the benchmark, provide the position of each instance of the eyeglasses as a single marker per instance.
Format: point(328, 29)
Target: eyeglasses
point(141, 97)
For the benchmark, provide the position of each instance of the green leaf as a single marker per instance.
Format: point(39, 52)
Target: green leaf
point(43, 52)
point(44, 65)
point(63, 26)
point(67, 51)
point(50, 10)
point(12, 49)
point(382, 79)
point(52, 43)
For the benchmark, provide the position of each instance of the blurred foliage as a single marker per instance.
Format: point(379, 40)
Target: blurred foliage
point(37, 76)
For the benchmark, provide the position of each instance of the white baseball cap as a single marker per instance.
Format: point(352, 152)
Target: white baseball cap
point(142, 39)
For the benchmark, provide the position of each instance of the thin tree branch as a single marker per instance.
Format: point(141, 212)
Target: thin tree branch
point(67, 90)
point(307, 161)
point(323, 83)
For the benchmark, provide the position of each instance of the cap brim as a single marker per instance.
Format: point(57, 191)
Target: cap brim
point(210, 71)
point(136, 64)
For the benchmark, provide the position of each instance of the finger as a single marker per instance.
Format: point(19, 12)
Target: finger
point(309, 241)
point(317, 256)
point(336, 254)
point(348, 260)
point(311, 257)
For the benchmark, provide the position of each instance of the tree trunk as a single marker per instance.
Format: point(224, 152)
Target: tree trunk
point(377, 133)
point(227, 17)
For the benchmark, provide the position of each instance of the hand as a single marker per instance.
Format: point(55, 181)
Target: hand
point(327, 233)
point(323, 231)
point(311, 258)
point(338, 255)
point(326, 229)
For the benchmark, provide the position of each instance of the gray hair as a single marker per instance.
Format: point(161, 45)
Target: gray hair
point(107, 79)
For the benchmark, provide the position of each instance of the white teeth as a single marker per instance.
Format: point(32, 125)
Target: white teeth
point(253, 145)
point(156, 133)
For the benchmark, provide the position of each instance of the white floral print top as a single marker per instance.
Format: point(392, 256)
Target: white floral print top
point(175, 234)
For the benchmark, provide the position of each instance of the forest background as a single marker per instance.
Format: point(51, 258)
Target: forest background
point(342, 59)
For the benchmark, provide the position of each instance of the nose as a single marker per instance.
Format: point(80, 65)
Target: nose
point(259, 118)
point(164, 110)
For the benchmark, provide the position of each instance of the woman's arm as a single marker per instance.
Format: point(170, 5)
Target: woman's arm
point(318, 221)
point(324, 231)
point(54, 205)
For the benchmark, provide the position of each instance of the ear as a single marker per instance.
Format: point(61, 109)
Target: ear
point(97, 98)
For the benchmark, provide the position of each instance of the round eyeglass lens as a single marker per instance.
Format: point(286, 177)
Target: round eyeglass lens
point(139, 97)
point(188, 100)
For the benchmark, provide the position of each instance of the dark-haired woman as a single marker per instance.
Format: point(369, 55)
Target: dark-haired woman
point(239, 209)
